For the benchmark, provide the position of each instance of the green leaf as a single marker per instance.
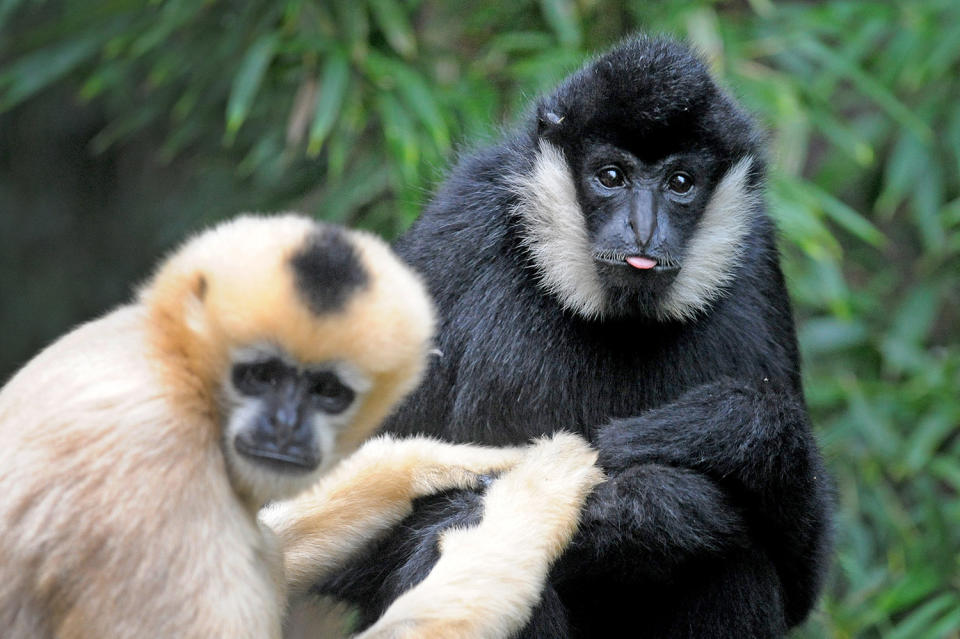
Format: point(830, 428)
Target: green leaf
point(908, 592)
point(947, 470)
point(392, 20)
point(561, 15)
point(341, 201)
point(916, 314)
point(353, 23)
point(829, 335)
point(948, 626)
point(334, 81)
point(867, 85)
point(173, 15)
point(844, 215)
point(514, 42)
point(843, 136)
point(7, 7)
point(247, 81)
point(927, 200)
point(920, 619)
point(703, 31)
point(906, 162)
point(953, 136)
point(928, 436)
point(413, 89)
point(133, 120)
point(417, 95)
point(40, 69)
point(398, 131)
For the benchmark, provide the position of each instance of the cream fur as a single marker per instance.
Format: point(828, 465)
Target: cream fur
point(716, 248)
point(118, 517)
point(556, 237)
point(555, 233)
point(120, 514)
point(367, 494)
point(490, 577)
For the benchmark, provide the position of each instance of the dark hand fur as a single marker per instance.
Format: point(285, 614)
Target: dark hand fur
point(715, 519)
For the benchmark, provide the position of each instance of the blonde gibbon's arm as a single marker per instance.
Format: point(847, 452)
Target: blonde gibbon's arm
point(489, 577)
point(368, 493)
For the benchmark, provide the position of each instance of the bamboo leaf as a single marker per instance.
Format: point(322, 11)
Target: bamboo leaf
point(397, 129)
point(562, 17)
point(868, 86)
point(334, 81)
point(844, 215)
point(353, 23)
point(7, 7)
point(928, 436)
point(392, 20)
point(918, 622)
point(247, 81)
point(43, 67)
point(906, 162)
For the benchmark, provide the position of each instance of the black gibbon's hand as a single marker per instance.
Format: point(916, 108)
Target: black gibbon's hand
point(648, 519)
point(718, 440)
point(756, 435)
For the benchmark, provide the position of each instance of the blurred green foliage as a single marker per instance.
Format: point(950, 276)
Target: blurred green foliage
point(126, 123)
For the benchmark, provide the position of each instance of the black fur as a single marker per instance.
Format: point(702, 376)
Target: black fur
point(328, 271)
point(715, 519)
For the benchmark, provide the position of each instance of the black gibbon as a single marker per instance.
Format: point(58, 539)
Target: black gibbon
point(136, 450)
point(609, 267)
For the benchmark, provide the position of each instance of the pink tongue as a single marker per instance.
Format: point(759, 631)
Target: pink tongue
point(641, 262)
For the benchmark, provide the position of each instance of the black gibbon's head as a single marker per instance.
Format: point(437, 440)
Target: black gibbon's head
point(297, 337)
point(644, 187)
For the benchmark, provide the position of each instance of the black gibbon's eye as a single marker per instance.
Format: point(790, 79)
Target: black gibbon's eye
point(331, 394)
point(255, 377)
point(680, 182)
point(611, 177)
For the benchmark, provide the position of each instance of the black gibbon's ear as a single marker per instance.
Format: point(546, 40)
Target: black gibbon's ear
point(549, 119)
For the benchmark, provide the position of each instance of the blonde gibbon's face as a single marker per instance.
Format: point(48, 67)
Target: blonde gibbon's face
point(285, 417)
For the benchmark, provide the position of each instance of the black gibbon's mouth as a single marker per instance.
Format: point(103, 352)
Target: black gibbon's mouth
point(637, 262)
point(276, 460)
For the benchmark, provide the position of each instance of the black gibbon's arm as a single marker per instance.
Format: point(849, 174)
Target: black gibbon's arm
point(675, 466)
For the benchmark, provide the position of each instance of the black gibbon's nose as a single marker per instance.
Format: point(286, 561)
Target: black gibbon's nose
point(643, 217)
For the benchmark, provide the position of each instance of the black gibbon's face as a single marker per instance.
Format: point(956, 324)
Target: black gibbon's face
point(283, 418)
point(640, 215)
point(644, 187)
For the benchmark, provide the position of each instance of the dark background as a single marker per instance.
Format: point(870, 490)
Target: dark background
point(125, 125)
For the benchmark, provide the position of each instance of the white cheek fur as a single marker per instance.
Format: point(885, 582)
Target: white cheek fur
point(556, 236)
point(716, 249)
point(555, 233)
